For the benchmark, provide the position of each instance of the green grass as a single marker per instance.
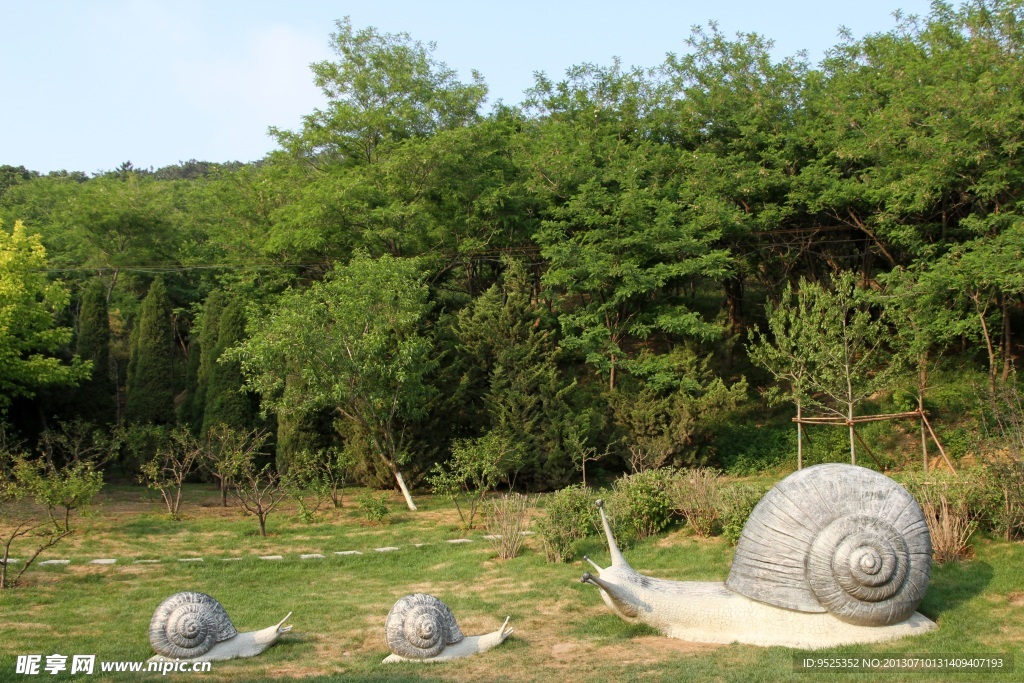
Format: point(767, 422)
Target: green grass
point(563, 630)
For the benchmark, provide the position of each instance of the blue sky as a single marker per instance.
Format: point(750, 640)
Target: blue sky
point(88, 84)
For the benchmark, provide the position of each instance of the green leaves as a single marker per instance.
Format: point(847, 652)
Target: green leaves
point(29, 335)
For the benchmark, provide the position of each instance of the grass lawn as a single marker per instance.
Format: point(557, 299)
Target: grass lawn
point(562, 629)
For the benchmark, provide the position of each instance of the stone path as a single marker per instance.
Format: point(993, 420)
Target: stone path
point(305, 556)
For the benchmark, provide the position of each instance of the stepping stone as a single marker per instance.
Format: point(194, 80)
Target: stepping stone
point(103, 561)
point(271, 557)
point(311, 556)
point(47, 563)
point(386, 549)
point(460, 540)
point(527, 533)
point(347, 552)
point(146, 562)
point(419, 545)
point(11, 560)
point(492, 537)
point(191, 559)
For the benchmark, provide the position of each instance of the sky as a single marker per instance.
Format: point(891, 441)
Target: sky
point(87, 85)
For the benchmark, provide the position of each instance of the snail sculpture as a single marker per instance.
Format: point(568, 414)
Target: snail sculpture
point(421, 628)
point(833, 554)
point(194, 626)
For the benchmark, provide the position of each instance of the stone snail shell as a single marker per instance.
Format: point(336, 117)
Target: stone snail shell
point(194, 626)
point(839, 539)
point(420, 627)
point(833, 554)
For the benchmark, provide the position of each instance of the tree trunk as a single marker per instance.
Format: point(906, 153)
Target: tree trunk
point(224, 492)
point(263, 524)
point(1007, 339)
point(922, 380)
point(799, 439)
point(404, 488)
point(849, 419)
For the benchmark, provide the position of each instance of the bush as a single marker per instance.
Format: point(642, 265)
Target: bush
point(505, 520)
point(1007, 499)
point(735, 503)
point(971, 491)
point(374, 508)
point(569, 515)
point(641, 504)
point(950, 529)
point(695, 498)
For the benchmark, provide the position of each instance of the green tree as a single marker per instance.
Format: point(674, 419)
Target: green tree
point(29, 336)
point(95, 396)
point(353, 343)
point(786, 351)
point(206, 348)
point(619, 247)
point(513, 379)
point(150, 389)
point(226, 402)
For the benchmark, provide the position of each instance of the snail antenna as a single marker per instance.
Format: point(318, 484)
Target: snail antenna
point(617, 559)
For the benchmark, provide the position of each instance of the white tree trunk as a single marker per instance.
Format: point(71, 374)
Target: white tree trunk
point(405, 490)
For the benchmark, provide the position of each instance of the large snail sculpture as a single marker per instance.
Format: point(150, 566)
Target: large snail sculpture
point(421, 628)
point(193, 626)
point(833, 554)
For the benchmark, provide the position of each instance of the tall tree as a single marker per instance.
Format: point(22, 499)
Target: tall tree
point(150, 390)
point(29, 335)
point(96, 396)
point(226, 403)
point(353, 343)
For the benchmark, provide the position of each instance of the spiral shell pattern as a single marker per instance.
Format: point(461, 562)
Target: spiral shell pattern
point(420, 626)
point(836, 538)
point(188, 624)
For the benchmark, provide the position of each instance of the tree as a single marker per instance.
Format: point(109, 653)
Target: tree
point(226, 402)
point(513, 379)
point(616, 235)
point(476, 467)
point(95, 396)
point(175, 459)
point(846, 343)
point(786, 351)
point(29, 335)
point(151, 370)
point(384, 87)
point(37, 500)
point(353, 343)
point(206, 349)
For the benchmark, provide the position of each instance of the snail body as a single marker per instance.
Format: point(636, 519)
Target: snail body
point(421, 628)
point(833, 554)
point(195, 627)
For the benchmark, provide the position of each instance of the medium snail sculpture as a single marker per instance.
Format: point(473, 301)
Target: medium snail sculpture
point(193, 626)
point(832, 555)
point(421, 628)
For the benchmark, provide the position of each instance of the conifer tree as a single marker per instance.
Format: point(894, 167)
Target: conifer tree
point(95, 394)
point(151, 380)
point(209, 328)
point(225, 402)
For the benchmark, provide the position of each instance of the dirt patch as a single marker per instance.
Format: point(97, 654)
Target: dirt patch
point(1016, 599)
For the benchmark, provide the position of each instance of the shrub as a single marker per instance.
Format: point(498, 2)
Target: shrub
point(505, 520)
point(950, 529)
point(374, 508)
point(735, 503)
point(695, 498)
point(641, 504)
point(569, 515)
point(1007, 502)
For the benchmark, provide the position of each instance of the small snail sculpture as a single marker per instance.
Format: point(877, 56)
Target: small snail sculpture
point(421, 628)
point(194, 626)
point(833, 554)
